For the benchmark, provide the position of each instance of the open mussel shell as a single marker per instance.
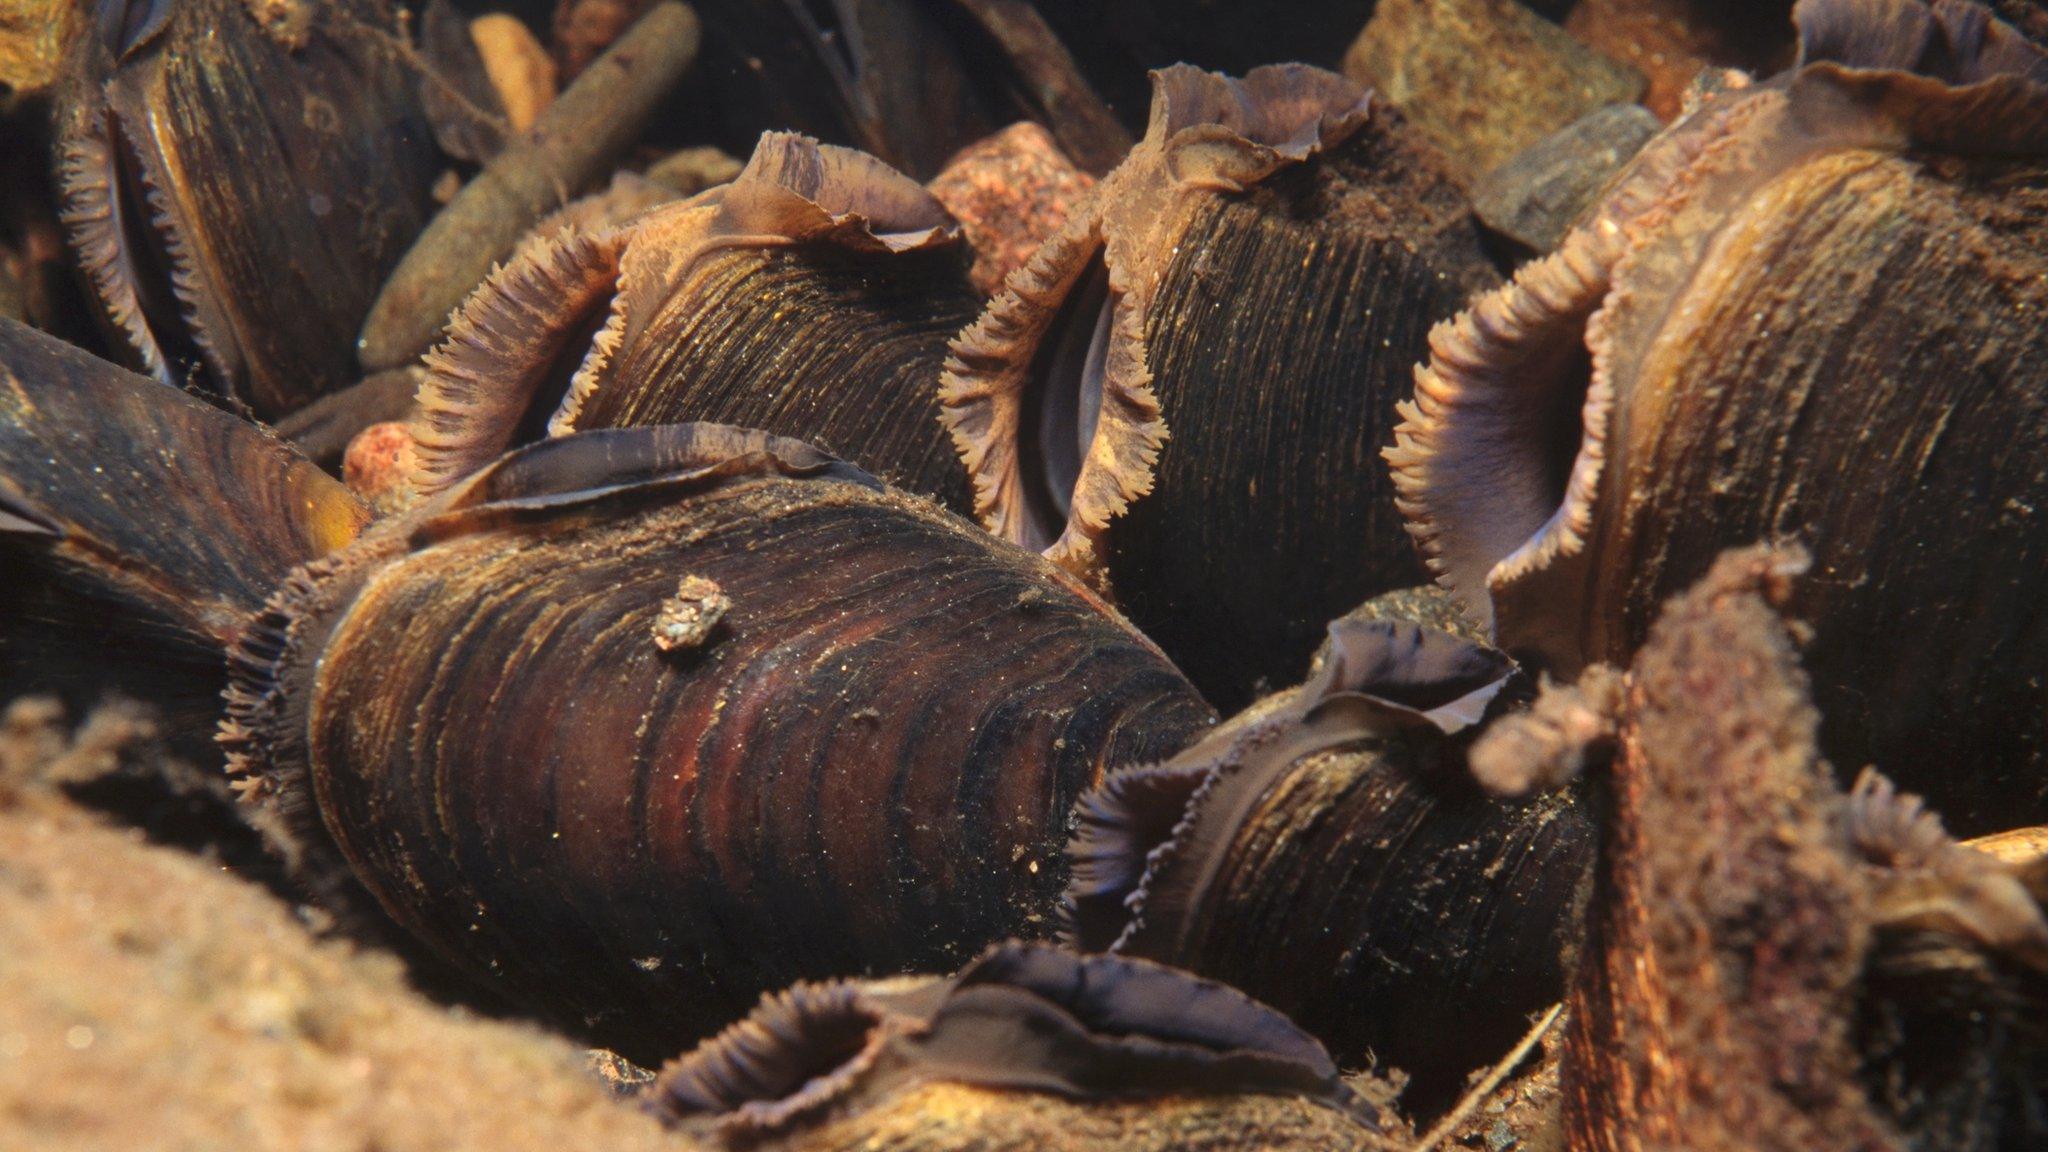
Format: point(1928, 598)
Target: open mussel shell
point(237, 179)
point(1809, 310)
point(1772, 963)
point(1326, 852)
point(812, 297)
point(139, 529)
point(1181, 395)
point(1028, 1047)
point(638, 724)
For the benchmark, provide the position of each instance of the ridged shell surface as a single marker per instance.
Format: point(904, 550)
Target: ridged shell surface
point(865, 765)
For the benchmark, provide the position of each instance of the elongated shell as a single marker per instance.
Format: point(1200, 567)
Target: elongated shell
point(1028, 1047)
point(1811, 310)
point(636, 725)
point(140, 529)
point(1772, 964)
point(237, 179)
point(1181, 396)
point(1326, 853)
point(812, 297)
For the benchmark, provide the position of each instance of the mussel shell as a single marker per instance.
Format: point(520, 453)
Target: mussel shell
point(1770, 964)
point(865, 766)
point(1028, 1047)
point(236, 190)
point(139, 530)
point(1325, 852)
point(1809, 312)
point(812, 297)
point(1181, 396)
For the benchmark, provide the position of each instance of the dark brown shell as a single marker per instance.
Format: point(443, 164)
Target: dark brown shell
point(617, 806)
point(1774, 965)
point(1181, 395)
point(1326, 852)
point(1811, 310)
point(139, 530)
point(1027, 1047)
point(812, 297)
point(237, 179)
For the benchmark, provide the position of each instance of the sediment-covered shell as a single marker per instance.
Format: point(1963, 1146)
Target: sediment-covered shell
point(237, 179)
point(1029, 1047)
point(1326, 852)
point(1773, 964)
point(1813, 310)
point(812, 297)
point(139, 530)
point(1181, 395)
point(638, 724)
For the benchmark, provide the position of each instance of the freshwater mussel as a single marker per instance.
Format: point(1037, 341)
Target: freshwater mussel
point(631, 725)
point(1772, 962)
point(1028, 1047)
point(1180, 397)
point(1327, 852)
point(237, 178)
point(812, 297)
point(1811, 309)
point(100, 598)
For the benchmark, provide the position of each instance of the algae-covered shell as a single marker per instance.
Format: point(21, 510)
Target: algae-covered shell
point(1812, 309)
point(139, 530)
point(1326, 853)
point(1028, 1047)
point(1182, 394)
point(635, 725)
point(811, 297)
point(1771, 963)
point(237, 178)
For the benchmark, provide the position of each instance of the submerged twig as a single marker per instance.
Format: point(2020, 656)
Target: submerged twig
point(578, 139)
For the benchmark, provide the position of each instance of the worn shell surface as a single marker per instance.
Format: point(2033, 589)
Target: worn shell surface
point(812, 297)
point(636, 725)
point(1810, 310)
point(237, 179)
point(1027, 1047)
point(1181, 395)
point(1325, 852)
point(1773, 964)
point(139, 530)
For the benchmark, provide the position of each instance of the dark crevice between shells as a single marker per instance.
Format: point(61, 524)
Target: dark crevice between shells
point(1024, 1017)
point(1149, 839)
point(1062, 401)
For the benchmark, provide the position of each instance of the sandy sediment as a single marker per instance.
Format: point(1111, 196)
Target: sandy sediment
point(151, 999)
